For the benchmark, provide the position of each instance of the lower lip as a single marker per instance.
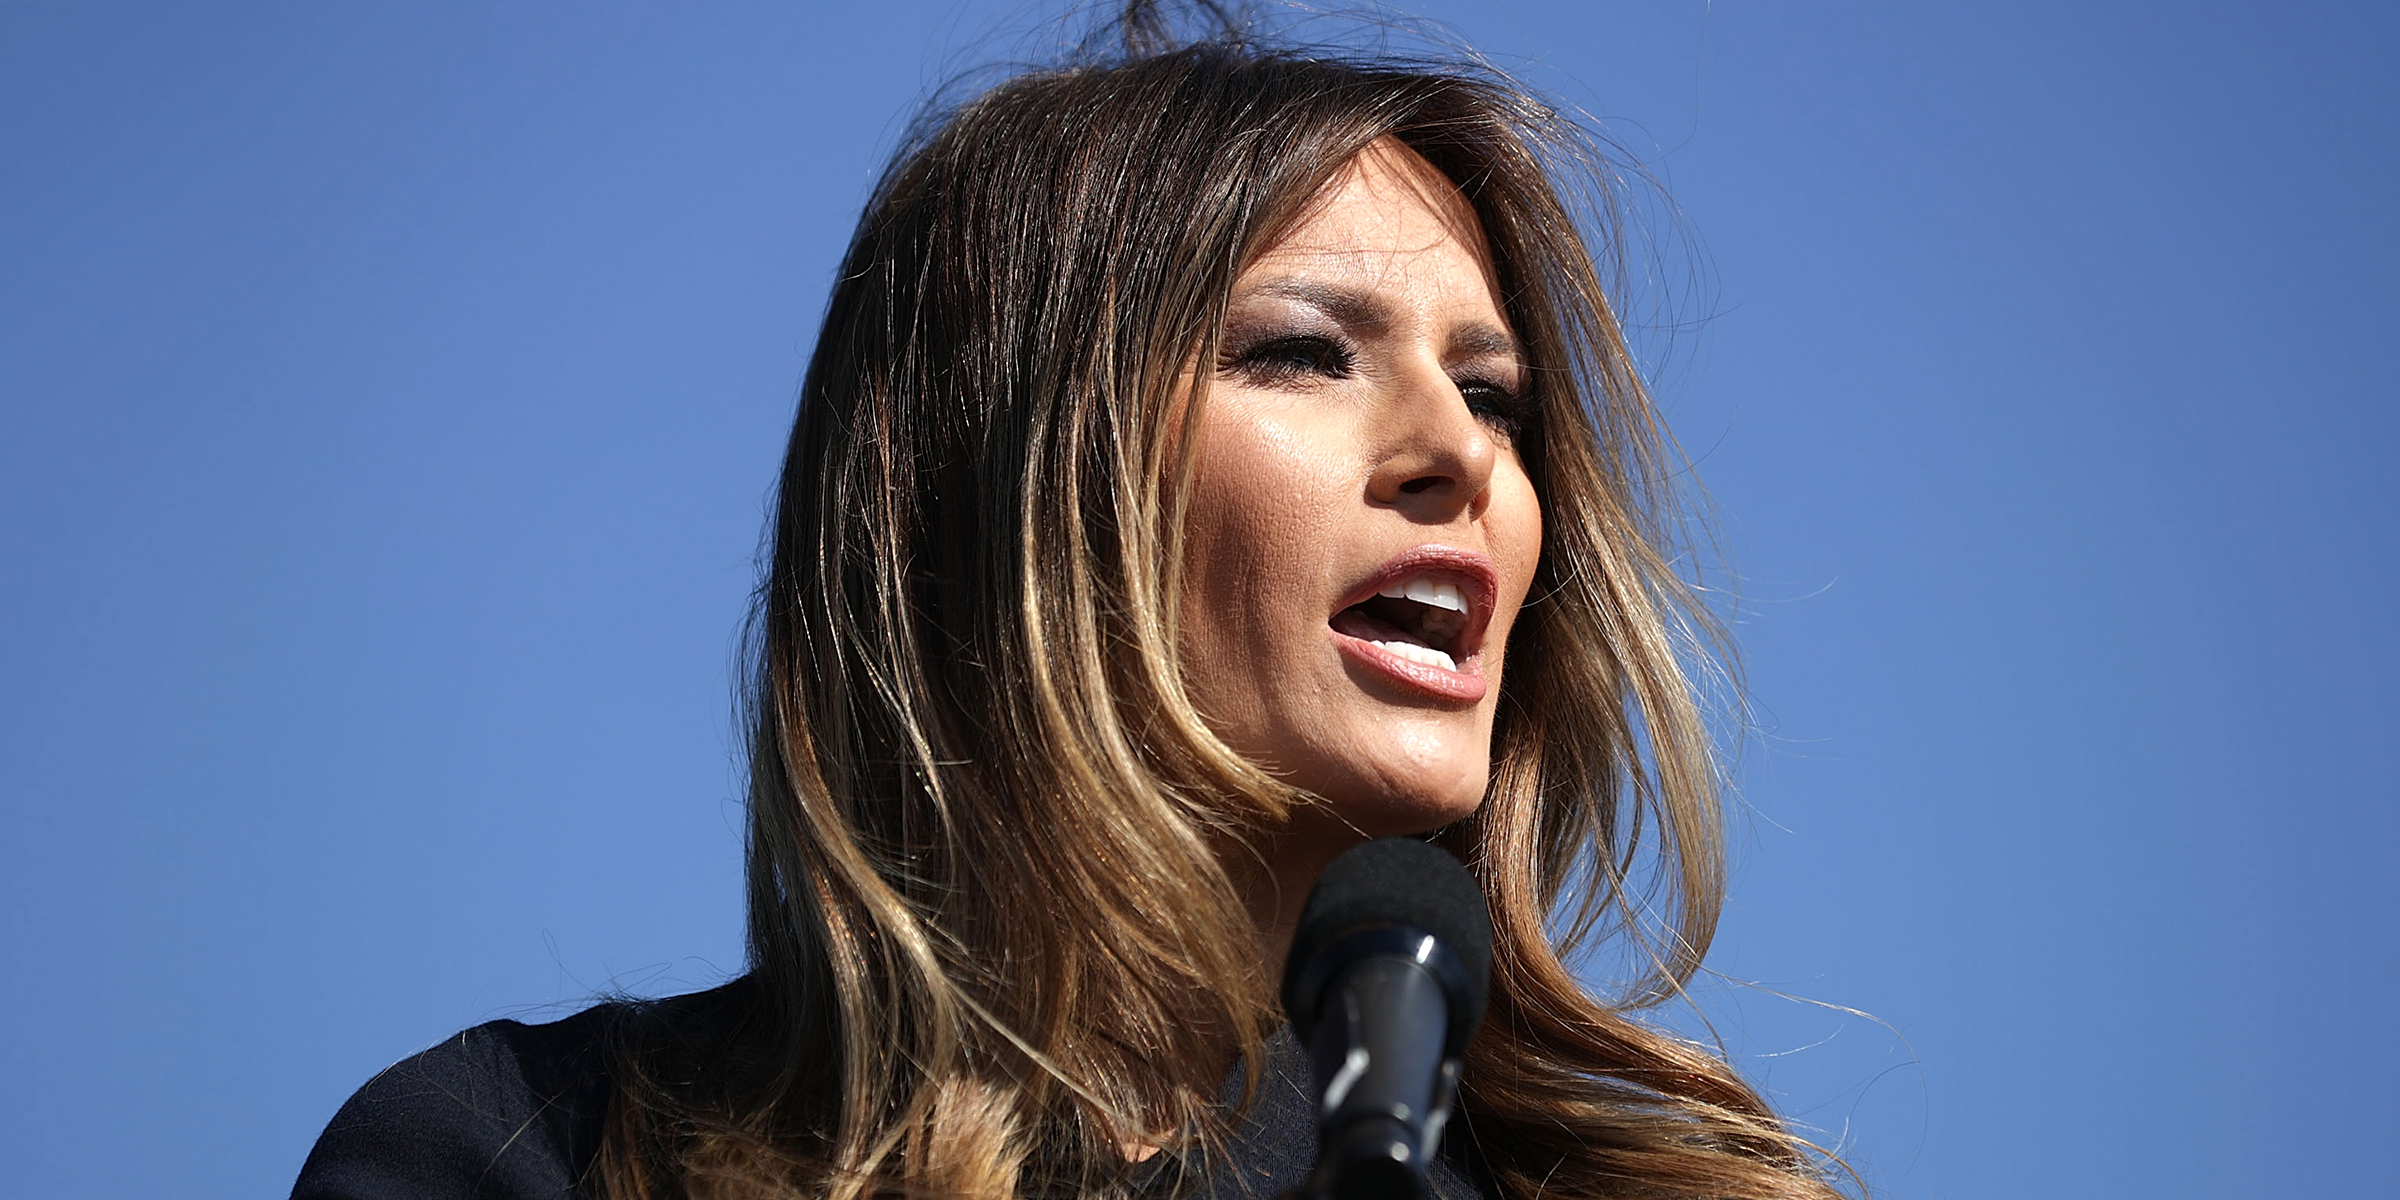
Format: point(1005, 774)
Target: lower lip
point(1460, 686)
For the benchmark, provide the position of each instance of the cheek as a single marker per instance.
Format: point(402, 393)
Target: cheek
point(1264, 499)
point(1514, 525)
point(1263, 511)
point(1520, 535)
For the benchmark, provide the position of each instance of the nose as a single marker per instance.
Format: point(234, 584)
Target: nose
point(1437, 456)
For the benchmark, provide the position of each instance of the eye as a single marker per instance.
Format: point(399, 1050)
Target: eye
point(1292, 358)
point(1505, 409)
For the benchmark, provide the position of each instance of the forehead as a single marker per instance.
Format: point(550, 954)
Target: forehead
point(1387, 219)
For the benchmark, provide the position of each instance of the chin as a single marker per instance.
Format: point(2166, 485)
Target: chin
point(1410, 798)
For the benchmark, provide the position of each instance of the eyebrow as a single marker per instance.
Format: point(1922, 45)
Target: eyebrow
point(1354, 308)
point(1485, 340)
point(1365, 312)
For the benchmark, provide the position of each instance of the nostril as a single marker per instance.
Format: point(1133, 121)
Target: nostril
point(1420, 484)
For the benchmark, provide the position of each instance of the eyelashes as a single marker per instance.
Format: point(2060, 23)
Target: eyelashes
point(1283, 360)
point(1289, 358)
point(1506, 409)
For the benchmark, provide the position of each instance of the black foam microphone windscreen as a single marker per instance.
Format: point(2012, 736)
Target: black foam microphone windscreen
point(1389, 969)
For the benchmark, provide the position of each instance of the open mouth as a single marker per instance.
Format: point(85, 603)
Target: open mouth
point(1419, 620)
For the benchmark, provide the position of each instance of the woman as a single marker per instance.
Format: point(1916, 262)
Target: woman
point(1212, 457)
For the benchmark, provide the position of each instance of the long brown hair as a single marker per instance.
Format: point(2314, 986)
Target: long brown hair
point(993, 940)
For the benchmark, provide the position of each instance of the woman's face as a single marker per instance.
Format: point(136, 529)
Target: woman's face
point(1361, 530)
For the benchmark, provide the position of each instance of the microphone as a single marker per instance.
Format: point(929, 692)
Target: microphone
point(1386, 981)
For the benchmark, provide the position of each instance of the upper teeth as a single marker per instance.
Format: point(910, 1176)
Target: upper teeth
point(1427, 591)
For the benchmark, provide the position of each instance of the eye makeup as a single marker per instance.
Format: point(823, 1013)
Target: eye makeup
point(1289, 354)
point(1286, 355)
point(1507, 410)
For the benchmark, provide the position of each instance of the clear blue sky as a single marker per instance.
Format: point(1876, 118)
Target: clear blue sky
point(391, 393)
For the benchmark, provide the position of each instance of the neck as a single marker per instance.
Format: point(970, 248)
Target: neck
point(1276, 873)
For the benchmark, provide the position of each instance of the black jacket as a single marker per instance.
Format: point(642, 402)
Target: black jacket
point(508, 1111)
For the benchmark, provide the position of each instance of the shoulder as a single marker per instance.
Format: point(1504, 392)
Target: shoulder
point(503, 1110)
